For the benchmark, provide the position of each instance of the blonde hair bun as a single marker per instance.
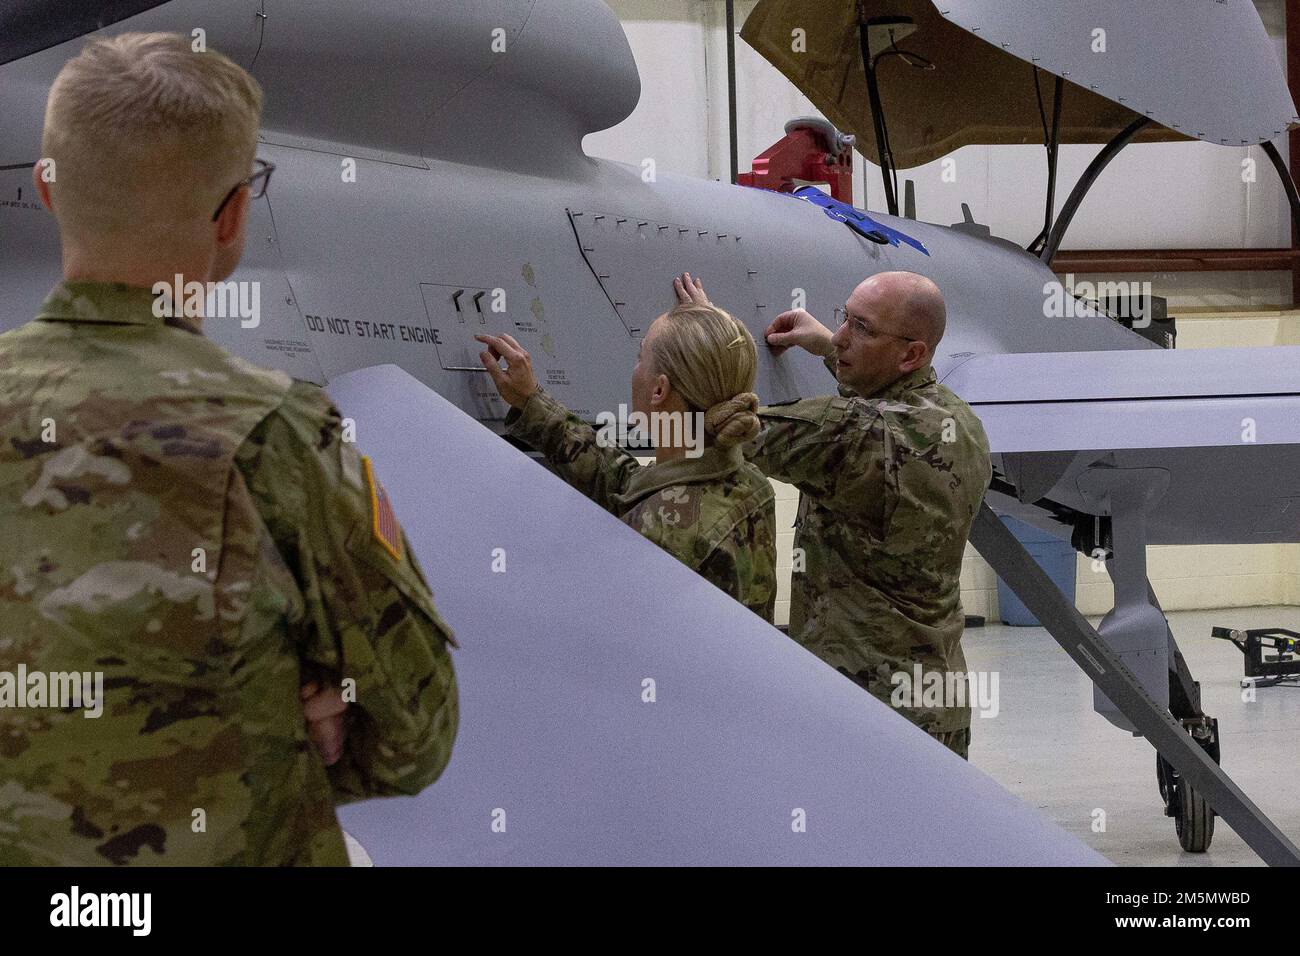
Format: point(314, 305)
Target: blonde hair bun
point(733, 421)
point(711, 361)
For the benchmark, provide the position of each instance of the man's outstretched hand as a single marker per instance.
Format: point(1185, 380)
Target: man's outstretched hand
point(798, 327)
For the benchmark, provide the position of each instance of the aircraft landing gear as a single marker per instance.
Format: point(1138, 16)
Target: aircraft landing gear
point(1138, 631)
point(1192, 813)
point(1193, 816)
point(1186, 739)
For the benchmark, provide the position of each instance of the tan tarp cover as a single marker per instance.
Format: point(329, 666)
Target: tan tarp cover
point(978, 94)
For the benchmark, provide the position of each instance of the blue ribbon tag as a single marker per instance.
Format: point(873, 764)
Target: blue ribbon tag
point(858, 221)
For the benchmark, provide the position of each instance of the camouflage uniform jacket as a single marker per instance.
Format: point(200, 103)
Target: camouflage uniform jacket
point(715, 513)
point(195, 529)
point(891, 485)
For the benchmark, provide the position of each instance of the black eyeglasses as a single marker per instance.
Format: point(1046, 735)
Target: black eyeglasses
point(256, 184)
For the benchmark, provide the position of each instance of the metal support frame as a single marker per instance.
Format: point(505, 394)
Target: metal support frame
point(1053, 145)
point(1089, 650)
point(1288, 184)
point(1200, 260)
point(1081, 188)
point(883, 155)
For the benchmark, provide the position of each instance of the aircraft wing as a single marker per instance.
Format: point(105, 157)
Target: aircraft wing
point(1222, 424)
point(1150, 398)
point(1202, 70)
point(747, 734)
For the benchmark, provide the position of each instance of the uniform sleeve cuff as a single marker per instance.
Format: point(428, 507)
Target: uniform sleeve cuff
point(525, 423)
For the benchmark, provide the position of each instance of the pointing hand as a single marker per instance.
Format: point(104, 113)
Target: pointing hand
point(515, 382)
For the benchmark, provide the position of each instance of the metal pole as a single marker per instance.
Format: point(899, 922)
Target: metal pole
point(1293, 137)
point(731, 89)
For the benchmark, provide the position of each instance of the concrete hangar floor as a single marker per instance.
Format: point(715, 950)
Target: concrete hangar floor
point(1048, 747)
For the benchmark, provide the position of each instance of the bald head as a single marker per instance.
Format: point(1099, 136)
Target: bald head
point(893, 324)
point(905, 304)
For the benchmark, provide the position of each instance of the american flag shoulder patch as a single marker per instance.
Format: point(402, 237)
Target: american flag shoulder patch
point(383, 520)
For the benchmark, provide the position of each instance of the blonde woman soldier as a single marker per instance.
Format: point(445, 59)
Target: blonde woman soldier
point(712, 510)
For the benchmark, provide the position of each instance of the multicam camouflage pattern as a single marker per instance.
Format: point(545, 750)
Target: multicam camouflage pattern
point(715, 513)
point(199, 532)
point(891, 485)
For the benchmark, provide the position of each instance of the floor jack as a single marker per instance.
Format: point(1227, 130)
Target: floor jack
point(1281, 667)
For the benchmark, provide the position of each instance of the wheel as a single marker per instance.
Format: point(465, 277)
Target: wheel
point(1195, 820)
point(1193, 817)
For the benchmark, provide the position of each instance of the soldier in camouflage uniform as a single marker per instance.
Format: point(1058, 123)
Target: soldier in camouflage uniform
point(892, 473)
point(197, 530)
point(715, 513)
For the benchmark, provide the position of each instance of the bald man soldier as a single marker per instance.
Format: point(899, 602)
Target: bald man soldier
point(192, 548)
point(892, 472)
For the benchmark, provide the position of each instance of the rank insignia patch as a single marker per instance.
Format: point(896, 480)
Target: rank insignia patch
point(383, 520)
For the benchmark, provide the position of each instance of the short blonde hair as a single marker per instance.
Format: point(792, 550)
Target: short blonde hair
point(709, 357)
point(144, 131)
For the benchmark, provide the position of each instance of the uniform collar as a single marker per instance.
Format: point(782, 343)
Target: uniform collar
point(913, 380)
point(713, 464)
point(105, 302)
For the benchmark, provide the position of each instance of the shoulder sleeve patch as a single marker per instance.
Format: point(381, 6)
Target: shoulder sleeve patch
point(383, 520)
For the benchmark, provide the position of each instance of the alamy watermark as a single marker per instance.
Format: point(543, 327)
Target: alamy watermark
point(61, 690)
point(130, 910)
point(1124, 299)
point(920, 688)
point(217, 300)
point(664, 430)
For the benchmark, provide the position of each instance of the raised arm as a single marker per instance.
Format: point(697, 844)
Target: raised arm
point(540, 421)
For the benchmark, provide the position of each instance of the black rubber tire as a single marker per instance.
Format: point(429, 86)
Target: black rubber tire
point(1195, 820)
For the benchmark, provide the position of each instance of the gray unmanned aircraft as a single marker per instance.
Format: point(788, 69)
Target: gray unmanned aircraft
point(431, 185)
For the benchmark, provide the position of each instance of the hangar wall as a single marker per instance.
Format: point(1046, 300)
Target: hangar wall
point(1178, 195)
